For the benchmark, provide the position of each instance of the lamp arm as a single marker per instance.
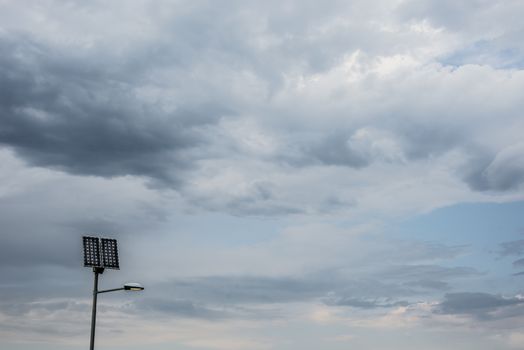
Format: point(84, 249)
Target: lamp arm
point(110, 290)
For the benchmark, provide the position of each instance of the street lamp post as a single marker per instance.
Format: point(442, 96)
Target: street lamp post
point(99, 259)
point(97, 271)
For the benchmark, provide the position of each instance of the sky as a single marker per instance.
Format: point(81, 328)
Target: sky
point(279, 174)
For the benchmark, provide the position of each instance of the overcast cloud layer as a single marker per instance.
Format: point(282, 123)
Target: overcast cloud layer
point(280, 175)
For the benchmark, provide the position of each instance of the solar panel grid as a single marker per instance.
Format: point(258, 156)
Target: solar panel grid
point(110, 253)
point(91, 251)
point(100, 252)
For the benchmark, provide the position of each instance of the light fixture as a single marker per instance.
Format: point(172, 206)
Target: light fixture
point(133, 286)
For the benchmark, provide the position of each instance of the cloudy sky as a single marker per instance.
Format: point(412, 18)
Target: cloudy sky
point(279, 174)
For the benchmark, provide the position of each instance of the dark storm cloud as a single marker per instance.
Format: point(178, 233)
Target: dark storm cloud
point(80, 112)
point(58, 112)
point(479, 305)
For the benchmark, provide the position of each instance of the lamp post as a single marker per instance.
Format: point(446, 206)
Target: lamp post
point(99, 259)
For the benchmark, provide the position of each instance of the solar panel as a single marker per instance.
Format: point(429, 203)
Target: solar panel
point(100, 252)
point(91, 251)
point(110, 254)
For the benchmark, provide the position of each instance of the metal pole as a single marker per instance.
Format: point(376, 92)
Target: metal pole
point(96, 270)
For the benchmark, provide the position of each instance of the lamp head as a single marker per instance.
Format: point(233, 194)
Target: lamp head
point(133, 287)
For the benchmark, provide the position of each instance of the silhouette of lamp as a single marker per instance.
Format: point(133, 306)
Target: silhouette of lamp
point(101, 254)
